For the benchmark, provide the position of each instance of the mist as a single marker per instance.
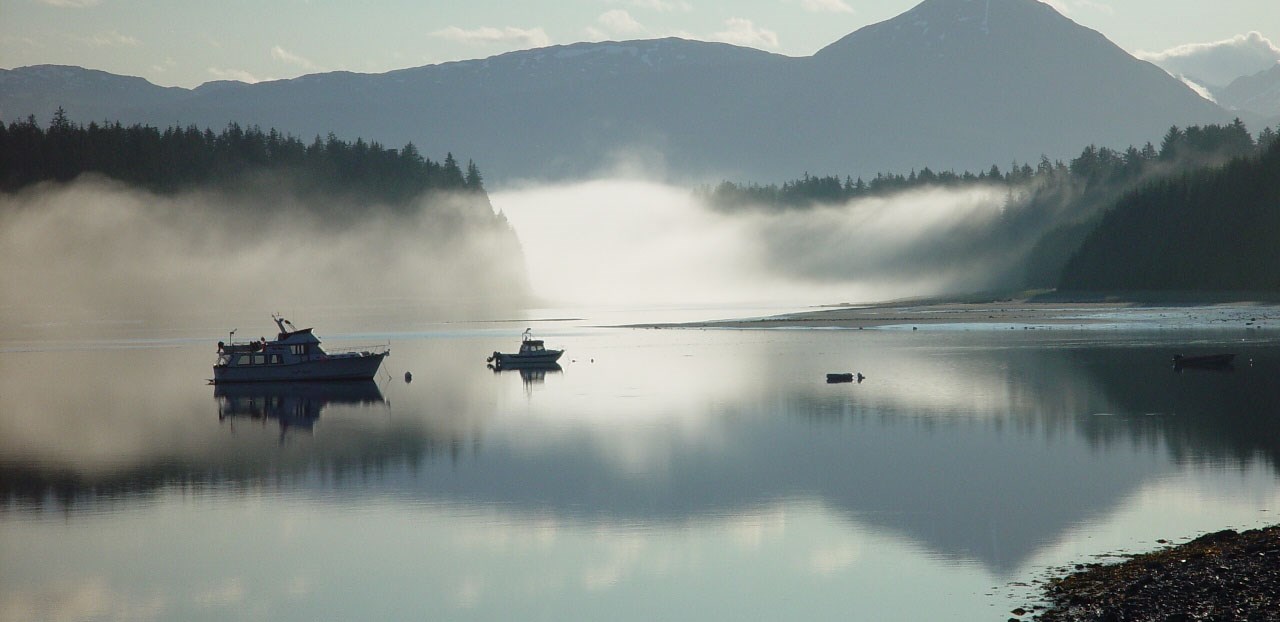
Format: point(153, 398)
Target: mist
point(98, 251)
point(634, 242)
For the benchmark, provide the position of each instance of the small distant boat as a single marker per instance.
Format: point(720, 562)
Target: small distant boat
point(532, 352)
point(294, 355)
point(844, 377)
point(1203, 361)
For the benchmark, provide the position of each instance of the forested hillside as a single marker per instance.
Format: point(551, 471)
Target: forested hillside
point(119, 220)
point(1049, 208)
point(175, 159)
point(1215, 229)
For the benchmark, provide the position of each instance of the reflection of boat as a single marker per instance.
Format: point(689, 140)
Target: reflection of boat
point(532, 352)
point(535, 372)
point(530, 373)
point(1203, 361)
point(293, 355)
point(293, 404)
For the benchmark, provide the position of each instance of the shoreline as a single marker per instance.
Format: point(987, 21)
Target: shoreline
point(1225, 575)
point(1030, 312)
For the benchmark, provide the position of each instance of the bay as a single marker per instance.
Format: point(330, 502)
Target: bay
point(659, 474)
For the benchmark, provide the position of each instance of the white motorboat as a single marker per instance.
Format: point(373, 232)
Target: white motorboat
point(295, 354)
point(532, 353)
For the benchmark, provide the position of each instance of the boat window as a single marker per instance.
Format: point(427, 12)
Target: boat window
point(299, 349)
point(275, 359)
point(244, 359)
point(259, 359)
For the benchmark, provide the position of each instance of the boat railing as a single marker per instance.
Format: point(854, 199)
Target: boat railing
point(381, 348)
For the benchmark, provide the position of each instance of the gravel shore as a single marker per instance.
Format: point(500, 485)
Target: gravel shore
point(1226, 575)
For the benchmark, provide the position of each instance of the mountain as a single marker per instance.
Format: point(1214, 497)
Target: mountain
point(949, 84)
point(91, 94)
point(1259, 93)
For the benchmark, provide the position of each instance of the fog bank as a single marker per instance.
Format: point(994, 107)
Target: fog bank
point(97, 251)
point(629, 242)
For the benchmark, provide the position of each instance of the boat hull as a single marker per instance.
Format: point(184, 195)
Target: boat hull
point(512, 360)
point(361, 367)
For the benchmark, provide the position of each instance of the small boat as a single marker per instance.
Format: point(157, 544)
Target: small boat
point(1203, 361)
point(532, 353)
point(844, 377)
point(295, 354)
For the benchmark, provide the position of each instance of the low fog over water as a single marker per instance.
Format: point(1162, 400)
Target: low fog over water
point(628, 242)
point(96, 250)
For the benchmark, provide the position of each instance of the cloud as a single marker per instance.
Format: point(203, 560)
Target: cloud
point(826, 6)
point(110, 39)
point(164, 66)
point(1218, 63)
point(663, 6)
point(72, 4)
point(620, 22)
point(235, 74)
point(533, 37)
point(1200, 89)
point(286, 56)
point(741, 31)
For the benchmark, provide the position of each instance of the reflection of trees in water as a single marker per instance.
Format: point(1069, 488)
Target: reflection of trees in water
point(1211, 415)
point(1025, 492)
point(990, 479)
point(1109, 395)
point(350, 456)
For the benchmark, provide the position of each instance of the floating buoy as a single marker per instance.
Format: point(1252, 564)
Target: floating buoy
point(408, 377)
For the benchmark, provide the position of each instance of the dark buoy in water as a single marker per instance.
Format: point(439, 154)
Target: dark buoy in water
point(408, 377)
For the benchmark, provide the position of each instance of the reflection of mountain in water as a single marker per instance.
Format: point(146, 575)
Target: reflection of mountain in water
point(984, 453)
point(294, 405)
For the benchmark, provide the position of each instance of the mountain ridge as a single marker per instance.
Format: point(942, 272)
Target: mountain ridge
point(948, 84)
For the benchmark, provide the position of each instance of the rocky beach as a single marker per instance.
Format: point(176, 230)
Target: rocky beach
point(1226, 575)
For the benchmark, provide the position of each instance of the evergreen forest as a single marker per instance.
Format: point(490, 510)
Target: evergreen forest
point(1154, 218)
point(182, 158)
point(1215, 229)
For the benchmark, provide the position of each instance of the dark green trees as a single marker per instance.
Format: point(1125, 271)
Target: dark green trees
point(179, 158)
point(1214, 229)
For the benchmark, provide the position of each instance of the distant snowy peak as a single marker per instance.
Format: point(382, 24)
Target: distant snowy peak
point(1259, 93)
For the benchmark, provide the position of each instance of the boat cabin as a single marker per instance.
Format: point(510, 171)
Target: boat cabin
point(532, 346)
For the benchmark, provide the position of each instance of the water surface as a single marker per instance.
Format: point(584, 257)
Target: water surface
point(660, 474)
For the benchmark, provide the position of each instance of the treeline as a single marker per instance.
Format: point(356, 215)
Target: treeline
point(1180, 148)
point(1213, 229)
point(1049, 209)
point(179, 158)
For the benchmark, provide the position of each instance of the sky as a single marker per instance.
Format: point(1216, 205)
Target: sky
point(188, 42)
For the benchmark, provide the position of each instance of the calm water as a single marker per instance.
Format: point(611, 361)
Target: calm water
point(661, 474)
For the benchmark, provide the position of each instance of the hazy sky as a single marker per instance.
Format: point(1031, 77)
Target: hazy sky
point(188, 42)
